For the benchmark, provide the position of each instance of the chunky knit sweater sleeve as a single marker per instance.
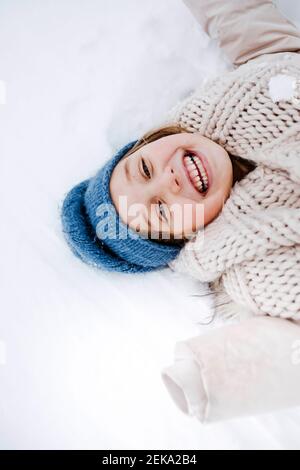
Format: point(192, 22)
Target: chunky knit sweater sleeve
point(250, 111)
point(251, 251)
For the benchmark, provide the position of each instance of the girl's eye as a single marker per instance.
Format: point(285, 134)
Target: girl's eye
point(145, 169)
point(162, 211)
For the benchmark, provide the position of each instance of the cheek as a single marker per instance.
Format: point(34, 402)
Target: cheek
point(188, 216)
point(194, 216)
point(214, 206)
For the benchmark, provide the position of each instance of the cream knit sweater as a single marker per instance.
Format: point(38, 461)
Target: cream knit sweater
point(250, 254)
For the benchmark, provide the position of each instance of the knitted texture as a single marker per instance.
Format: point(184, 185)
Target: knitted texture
point(251, 251)
point(97, 235)
point(236, 111)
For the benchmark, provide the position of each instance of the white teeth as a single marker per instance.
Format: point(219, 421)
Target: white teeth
point(198, 185)
point(192, 169)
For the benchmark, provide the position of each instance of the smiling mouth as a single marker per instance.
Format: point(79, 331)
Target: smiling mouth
point(196, 172)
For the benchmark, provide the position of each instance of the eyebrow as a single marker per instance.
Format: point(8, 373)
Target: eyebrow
point(128, 178)
point(127, 174)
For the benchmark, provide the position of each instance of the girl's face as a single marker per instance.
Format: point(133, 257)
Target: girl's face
point(172, 186)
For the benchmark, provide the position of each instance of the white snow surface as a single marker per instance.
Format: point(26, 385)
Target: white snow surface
point(81, 350)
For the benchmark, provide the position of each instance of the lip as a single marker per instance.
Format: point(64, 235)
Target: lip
point(204, 162)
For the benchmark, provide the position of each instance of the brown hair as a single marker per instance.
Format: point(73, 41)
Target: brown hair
point(241, 166)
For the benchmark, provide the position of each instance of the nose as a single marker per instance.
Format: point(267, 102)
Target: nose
point(167, 180)
point(171, 180)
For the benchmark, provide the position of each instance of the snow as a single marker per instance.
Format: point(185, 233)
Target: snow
point(81, 350)
point(282, 87)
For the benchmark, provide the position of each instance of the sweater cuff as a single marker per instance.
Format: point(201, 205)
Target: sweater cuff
point(183, 381)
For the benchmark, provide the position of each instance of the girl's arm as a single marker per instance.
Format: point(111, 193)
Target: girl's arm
point(237, 370)
point(246, 29)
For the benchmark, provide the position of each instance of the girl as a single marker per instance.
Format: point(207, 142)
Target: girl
point(215, 193)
